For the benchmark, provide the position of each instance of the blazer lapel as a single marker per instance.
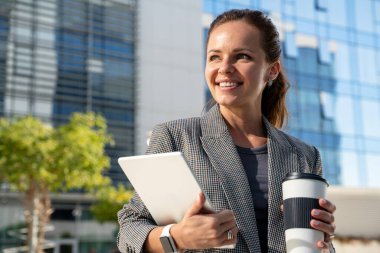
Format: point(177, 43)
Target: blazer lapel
point(282, 158)
point(223, 155)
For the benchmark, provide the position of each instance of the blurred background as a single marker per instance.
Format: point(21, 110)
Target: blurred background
point(140, 62)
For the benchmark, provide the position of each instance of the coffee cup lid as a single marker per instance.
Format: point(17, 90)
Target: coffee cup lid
point(303, 175)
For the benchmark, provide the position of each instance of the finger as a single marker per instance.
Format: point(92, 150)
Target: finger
point(196, 207)
point(282, 208)
point(227, 226)
point(323, 216)
point(322, 245)
point(224, 237)
point(225, 216)
point(324, 227)
point(330, 207)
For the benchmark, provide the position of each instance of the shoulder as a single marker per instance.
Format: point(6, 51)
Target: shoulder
point(302, 147)
point(174, 135)
point(179, 125)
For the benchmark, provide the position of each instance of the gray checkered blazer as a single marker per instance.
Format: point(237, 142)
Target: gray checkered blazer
point(211, 153)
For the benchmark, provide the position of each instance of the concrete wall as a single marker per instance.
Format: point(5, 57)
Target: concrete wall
point(169, 82)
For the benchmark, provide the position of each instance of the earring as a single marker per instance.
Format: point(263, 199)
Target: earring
point(270, 82)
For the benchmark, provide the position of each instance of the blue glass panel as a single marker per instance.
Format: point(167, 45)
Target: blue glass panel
point(366, 39)
point(363, 16)
point(347, 142)
point(117, 69)
point(338, 33)
point(377, 10)
point(208, 6)
point(350, 162)
point(372, 145)
point(369, 91)
point(322, 4)
point(307, 62)
point(366, 65)
point(289, 9)
point(324, 54)
point(337, 12)
point(373, 172)
point(342, 62)
point(241, 2)
point(290, 45)
point(305, 27)
point(370, 111)
point(220, 6)
point(313, 138)
point(344, 114)
point(271, 6)
point(305, 9)
point(322, 31)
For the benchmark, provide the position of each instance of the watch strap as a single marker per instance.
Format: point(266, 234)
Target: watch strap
point(167, 241)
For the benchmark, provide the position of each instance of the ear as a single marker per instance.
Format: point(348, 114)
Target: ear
point(273, 70)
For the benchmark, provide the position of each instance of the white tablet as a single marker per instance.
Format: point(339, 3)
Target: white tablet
point(165, 183)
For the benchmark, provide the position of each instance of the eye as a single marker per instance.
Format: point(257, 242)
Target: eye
point(243, 57)
point(213, 57)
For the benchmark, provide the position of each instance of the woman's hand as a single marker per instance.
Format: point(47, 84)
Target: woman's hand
point(199, 230)
point(324, 221)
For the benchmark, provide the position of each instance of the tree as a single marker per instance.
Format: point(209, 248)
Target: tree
point(109, 200)
point(37, 159)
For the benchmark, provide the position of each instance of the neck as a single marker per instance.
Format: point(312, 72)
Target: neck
point(245, 126)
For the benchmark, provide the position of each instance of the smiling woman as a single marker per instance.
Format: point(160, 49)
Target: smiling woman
point(236, 151)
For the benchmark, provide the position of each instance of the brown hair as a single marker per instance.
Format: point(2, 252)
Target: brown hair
point(273, 104)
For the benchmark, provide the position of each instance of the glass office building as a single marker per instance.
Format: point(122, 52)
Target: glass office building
point(63, 56)
point(331, 53)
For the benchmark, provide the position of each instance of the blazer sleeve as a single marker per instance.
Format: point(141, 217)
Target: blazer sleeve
point(135, 221)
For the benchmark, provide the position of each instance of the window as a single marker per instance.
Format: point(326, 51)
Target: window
point(373, 172)
point(321, 4)
point(291, 49)
point(344, 115)
point(363, 16)
point(366, 65)
point(324, 55)
point(350, 174)
point(337, 12)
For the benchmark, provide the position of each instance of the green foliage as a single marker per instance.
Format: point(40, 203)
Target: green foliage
point(109, 201)
point(56, 159)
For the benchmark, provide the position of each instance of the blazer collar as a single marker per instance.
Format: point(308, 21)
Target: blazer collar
point(282, 158)
point(213, 125)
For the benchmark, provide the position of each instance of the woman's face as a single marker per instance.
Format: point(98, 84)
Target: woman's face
point(236, 67)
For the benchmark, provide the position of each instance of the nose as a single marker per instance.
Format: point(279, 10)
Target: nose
point(226, 67)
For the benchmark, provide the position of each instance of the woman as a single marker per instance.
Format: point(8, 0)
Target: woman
point(235, 150)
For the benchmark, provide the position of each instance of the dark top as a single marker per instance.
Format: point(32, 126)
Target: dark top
point(255, 162)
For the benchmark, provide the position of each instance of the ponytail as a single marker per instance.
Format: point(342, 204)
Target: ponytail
point(273, 103)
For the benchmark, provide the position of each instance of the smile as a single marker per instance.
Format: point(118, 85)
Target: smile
point(229, 84)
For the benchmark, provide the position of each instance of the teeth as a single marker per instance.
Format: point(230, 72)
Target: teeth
point(228, 84)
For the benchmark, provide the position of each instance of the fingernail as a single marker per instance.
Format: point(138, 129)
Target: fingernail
point(323, 201)
point(315, 222)
point(315, 212)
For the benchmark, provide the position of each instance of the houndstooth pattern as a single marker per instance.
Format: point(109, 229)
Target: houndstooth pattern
point(211, 153)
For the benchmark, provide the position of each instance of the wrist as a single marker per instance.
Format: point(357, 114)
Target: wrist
point(175, 232)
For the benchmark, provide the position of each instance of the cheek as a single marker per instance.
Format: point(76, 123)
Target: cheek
point(210, 74)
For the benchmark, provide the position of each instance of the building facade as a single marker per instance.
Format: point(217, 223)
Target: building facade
point(63, 56)
point(332, 58)
point(140, 62)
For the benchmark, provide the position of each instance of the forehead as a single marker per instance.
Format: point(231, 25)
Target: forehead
point(235, 32)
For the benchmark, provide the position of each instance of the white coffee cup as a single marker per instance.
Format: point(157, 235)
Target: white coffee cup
point(301, 192)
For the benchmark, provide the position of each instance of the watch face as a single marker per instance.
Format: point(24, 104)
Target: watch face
point(168, 247)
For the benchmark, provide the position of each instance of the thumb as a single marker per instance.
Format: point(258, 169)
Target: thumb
point(196, 207)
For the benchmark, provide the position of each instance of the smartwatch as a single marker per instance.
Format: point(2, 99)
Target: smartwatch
point(167, 241)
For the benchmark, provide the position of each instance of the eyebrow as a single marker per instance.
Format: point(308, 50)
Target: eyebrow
point(235, 50)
